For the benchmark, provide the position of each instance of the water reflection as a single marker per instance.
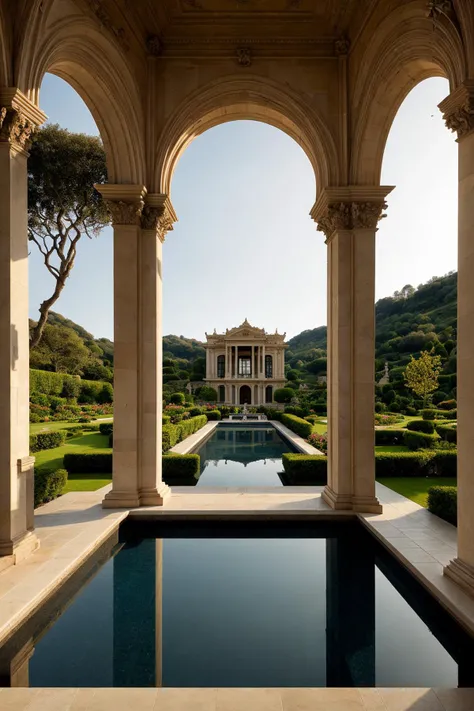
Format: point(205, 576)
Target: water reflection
point(209, 605)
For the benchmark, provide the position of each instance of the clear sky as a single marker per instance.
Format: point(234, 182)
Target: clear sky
point(245, 245)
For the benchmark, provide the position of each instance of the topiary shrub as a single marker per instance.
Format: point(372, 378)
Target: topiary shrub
point(448, 433)
point(443, 502)
point(106, 395)
point(180, 466)
point(389, 437)
point(305, 469)
point(172, 434)
point(165, 419)
point(46, 440)
point(283, 395)
point(177, 399)
point(106, 428)
point(419, 440)
point(408, 464)
point(447, 405)
point(71, 387)
point(297, 424)
point(426, 426)
point(206, 394)
point(429, 414)
point(88, 463)
point(213, 415)
point(451, 414)
point(48, 484)
point(195, 411)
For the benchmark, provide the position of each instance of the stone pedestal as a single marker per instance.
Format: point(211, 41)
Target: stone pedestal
point(349, 217)
point(18, 118)
point(458, 111)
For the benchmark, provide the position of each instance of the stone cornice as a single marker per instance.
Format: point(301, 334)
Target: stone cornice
point(124, 202)
point(19, 118)
point(458, 109)
point(350, 208)
point(158, 215)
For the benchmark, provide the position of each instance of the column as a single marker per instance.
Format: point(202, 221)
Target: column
point(263, 362)
point(349, 217)
point(458, 111)
point(208, 373)
point(157, 219)
point(18, 119)
point(236, 362)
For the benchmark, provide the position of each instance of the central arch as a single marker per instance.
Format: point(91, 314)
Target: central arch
point(253, 98)
point(245, 395)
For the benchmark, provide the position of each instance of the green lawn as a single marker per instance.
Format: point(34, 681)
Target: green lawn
point(80, 482)
point(36, 427)
point(88, 442)
point(416, 488)
point(391, 448)
point(320, 427)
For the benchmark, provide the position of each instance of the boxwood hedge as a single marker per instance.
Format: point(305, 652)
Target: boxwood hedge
point(172, 434)
point(389, 437)
point(297, 424)
point(419, 440)
point(426, 426)
point(442, 501)
point(180, 466)
point(48, 485)
point(308, 469)
point(47, 440)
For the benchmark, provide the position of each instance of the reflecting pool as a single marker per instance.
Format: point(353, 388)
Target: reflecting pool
point(237, 604)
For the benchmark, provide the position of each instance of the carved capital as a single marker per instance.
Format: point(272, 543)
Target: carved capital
point(458, 109)
point(15, 128)
point(125, 212)
point(435, 8)
point(244, 56)
point(342, 46)
point(158, 215)
point(351, 216)
point(154, 46)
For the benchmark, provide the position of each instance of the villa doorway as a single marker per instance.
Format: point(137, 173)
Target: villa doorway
point(245, 395)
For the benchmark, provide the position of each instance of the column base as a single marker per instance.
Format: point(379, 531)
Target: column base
point(338, 502)
point(462, 574)
point(13, 552)
point(121, 500)
point(366, 504)
point(155, 497)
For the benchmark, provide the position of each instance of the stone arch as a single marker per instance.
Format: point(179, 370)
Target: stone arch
point(76, 50)
point(252, 98)
point(401, 54)
point(245, 395)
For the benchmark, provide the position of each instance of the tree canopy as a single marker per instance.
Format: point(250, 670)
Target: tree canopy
point(63, 204)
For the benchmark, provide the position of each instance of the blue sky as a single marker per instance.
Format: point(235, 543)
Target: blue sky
point(245, 245)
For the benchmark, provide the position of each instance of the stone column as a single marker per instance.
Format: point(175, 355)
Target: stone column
point(458, 111)
point(157, 219)
point(263, 362)
point(349, 217)
point(18, 119)
point(208, 374)
point(236, 361)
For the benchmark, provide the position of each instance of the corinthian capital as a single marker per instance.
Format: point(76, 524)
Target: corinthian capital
point(15, 128)
point(351, 208)
point(124, 202)
point(458, 109)
point(158, 215)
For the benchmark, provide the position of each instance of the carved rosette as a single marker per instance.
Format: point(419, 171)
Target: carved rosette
point(15, 128)
point(351, 216)
point(157, 219)
point(124, 212)
point(342, 46)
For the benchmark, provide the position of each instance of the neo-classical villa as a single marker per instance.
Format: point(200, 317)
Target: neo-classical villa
point(245, 364)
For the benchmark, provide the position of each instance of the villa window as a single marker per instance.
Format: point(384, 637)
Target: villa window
point(221, 393)
point(269, 366)
point(268, 394)
point(245, 367)
point(221, 366)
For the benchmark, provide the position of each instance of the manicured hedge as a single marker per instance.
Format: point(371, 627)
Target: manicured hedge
point(49, 485)
point(165, 419)
point(389, 437)
point(308, 469)
point(53, 384)
point(297, 424)
point(311, 469)
point(46, 440)
point(106, 428)
point(213, 414)
point(429, 414)
point(447, 432)
point(172, 434)
point(179, 466)
point(88, 463)
point(442, 501)
point(419, 440)
point(426, 426)
point(407, 464)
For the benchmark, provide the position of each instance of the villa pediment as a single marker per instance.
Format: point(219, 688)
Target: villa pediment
point(245, 330)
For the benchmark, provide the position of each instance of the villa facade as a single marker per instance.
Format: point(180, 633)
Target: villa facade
point(245, 364)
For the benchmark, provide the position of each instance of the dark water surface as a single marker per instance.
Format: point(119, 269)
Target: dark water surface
point(242, 456)
point(221, 604)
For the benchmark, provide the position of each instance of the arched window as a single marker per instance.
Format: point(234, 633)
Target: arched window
point(221, 366)
point(269, 366)
point(221, 392)
point(269, 392)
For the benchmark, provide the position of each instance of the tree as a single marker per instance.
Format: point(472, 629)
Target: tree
point(206, 393)
point(63, 203)
point(62, 349)
point(284, 395)
point(421, 374)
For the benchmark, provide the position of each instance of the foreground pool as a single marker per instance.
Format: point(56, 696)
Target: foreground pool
point(234, 604)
